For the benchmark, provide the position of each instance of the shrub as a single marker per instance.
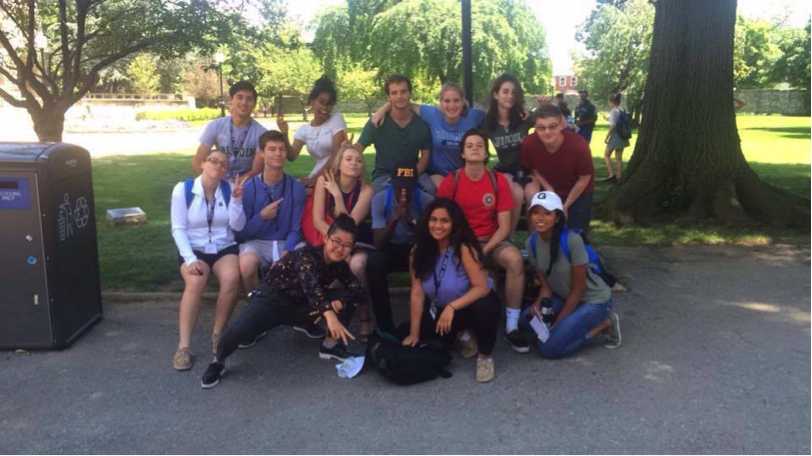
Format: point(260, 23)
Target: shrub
point(185, 115)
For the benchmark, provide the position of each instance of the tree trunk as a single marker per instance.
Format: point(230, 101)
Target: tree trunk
point(48, 123)
point(688, 160)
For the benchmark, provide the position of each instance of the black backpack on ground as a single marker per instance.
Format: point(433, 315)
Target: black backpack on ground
point(407, 365)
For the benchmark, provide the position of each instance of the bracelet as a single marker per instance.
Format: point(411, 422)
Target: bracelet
point(452, 307)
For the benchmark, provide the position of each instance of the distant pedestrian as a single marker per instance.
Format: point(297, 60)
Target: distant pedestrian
point(614, 143)
point(585, 116)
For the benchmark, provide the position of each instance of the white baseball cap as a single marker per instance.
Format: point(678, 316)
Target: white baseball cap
point(547, 200)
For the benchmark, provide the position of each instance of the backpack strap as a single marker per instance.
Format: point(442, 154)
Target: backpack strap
point(190, 182)
point(418, 200)
point(225, 189)
point(388, 198)
point(456, 182)
point(565, 234)
point(533, 243)
point(492, 175)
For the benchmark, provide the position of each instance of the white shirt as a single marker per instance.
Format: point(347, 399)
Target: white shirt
point(190, 227)
point(319, 140)
point(614, 116)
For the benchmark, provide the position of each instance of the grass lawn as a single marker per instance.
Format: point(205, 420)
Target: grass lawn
point(144, 258)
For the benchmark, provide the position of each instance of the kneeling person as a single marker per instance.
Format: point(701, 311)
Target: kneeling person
point(296, 292)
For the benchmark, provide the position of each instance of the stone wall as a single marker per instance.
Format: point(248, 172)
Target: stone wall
point(784, 102)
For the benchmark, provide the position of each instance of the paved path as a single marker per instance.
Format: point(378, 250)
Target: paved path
point(715, 359)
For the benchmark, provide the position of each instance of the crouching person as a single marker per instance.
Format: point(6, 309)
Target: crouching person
point(450, 290)
point(296, 292)
point(581, 300)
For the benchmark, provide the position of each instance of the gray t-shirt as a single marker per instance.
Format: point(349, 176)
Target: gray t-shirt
point(508, 144)
point(240, 147)
point(403, 234)
point(560, 280)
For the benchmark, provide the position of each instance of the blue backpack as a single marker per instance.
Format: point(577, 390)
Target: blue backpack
point(389, 200)
point(624, 125)
point(225, 189)
point(594, 259)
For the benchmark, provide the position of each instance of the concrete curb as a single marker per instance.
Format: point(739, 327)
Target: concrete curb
point(120, 297)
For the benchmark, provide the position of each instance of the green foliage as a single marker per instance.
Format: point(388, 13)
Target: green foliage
point(355, 83)
point(290, 73)
point(793, 65)
point(142, 73)
point(422, 39)
point(184, 115)
point(754, 54)
point(618, 40)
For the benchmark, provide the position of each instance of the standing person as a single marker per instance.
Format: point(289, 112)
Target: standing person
point(585, 116)
point(296, 292)
point(614, 143)
point(485, 199)
point(395, 212)
point(401, 135)
point(562, 163)
point(203, 231)
point(562, 105)
point(236, 135)
point(268, 218)
point(343, 190)
point(448, 122)
point(323, 135)
point(451, 291)
point(581, 300)
point(506, 126)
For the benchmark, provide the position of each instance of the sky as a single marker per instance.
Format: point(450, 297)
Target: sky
point(561, 21)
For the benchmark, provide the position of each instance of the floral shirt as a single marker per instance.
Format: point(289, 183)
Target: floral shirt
point(304, 275)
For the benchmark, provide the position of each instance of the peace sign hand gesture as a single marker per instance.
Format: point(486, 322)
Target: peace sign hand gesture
point(331, 185)
point(237, 187)
point(281, 123)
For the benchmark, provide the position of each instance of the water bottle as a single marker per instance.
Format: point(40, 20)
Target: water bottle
point(547, 312)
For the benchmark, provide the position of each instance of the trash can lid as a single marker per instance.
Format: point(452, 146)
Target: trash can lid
point(22, 152)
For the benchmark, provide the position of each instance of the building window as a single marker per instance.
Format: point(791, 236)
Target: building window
point(562, 81)
point(574, 81)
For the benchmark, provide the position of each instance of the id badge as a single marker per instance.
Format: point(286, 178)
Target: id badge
point(211, 249)
point(433, 310)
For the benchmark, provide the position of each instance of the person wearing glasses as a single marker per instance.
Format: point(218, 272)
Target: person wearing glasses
point(202, 226)
point(561, 162)
point(236, 135)
point(296, 291)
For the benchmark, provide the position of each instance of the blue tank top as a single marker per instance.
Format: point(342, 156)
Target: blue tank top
point(455, 281)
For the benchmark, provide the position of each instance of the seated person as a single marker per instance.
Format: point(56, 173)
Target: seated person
point(236, 135)
point(398, 135)
point(295, 292)
point(486, 201)
point(203, 231)
point(268, 217)
point(395, 212)
point(581, 300)
point(451, 291)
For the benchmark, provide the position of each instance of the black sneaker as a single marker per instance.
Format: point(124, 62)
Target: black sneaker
point(211, 377)
point(311, 330)
point(517, 342)
point(251, 343)
point(338, 353)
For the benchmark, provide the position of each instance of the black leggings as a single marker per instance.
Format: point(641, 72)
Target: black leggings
point(482, 317)
point(391, 257)
point(267, 310)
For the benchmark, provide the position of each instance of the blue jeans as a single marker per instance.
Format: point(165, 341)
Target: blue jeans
point(586, 133)
point(570, 333)
point(580, 213)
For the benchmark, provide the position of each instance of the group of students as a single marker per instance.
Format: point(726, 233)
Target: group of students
point(436, 209)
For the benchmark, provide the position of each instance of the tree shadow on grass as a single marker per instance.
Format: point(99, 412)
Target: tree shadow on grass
point(788, 132)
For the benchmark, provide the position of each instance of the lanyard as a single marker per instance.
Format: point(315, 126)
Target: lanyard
point(210, 213)
point(243, 137)
point(438, 280)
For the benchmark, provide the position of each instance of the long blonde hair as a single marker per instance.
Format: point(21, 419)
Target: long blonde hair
point(336, 165)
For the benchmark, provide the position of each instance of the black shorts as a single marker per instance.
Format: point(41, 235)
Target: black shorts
point(211, 258)
point(521, 176)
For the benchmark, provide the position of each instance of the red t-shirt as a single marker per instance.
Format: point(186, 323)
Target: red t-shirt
point(563, 167)
point(478, 200)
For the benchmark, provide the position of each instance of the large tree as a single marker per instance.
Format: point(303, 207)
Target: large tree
point(688, 160)
point(422, 38)
point(55, 50)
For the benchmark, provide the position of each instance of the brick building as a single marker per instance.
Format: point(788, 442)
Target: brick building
point(565, 83)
